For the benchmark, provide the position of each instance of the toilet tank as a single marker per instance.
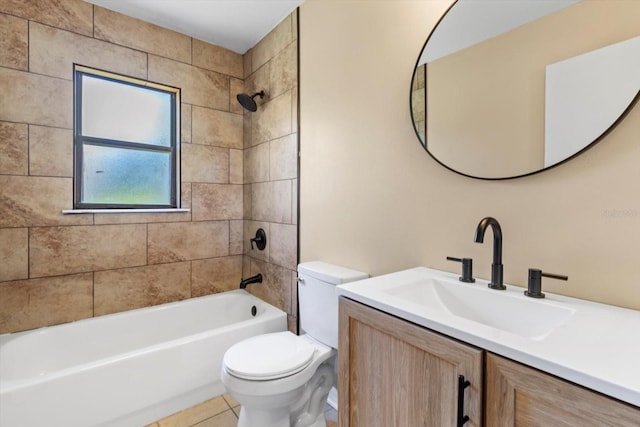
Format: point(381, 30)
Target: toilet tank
point(318, 299)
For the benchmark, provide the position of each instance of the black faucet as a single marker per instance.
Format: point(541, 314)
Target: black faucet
point(254, 279)
point(496, 266)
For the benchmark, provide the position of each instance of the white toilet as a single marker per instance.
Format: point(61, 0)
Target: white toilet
point(282, 379)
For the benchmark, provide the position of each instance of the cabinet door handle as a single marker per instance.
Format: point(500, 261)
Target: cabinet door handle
point(462, 384)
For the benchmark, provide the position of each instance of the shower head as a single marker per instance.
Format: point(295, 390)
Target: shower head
point(247, 101)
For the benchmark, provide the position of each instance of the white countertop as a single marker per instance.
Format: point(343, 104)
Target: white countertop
point(598, 346)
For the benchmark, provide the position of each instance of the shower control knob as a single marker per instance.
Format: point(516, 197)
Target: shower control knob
point(260, 239)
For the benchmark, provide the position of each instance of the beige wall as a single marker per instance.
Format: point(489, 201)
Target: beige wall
point(56, 268)
point(371, 199)
point(271, 165)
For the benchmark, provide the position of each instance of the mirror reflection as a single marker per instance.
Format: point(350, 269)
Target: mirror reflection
point(507, 88)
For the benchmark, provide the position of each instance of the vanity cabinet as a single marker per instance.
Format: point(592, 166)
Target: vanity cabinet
point(393, 373)
point(517, 395)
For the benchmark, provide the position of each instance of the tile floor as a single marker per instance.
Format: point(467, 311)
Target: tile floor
point(221, 411)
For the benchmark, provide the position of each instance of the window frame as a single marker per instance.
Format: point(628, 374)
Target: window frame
point(79, 141)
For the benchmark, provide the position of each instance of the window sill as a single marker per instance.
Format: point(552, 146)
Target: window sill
point(125, 211)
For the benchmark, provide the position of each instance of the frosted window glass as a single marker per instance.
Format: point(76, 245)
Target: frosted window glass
point(114, 110)
point(124, 176)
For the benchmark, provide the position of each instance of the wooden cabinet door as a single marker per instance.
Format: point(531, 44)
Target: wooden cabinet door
point(392, 373)
point(521, 396)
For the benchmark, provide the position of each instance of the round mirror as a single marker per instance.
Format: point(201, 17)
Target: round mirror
point(507, 88)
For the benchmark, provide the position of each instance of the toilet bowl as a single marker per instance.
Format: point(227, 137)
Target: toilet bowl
point(279, 379)
point(282, 379)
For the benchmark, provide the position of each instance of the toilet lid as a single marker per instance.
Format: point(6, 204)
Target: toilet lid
point(269, 356)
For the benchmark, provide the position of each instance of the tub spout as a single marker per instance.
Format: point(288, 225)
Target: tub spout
point(254, 279)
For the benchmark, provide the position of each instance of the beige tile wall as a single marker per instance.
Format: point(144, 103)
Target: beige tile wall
point(271, 165)
point(57, 268)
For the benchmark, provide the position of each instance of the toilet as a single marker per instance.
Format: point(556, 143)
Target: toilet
point(282, 379)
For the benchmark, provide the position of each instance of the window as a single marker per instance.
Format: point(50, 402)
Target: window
point(125, 141)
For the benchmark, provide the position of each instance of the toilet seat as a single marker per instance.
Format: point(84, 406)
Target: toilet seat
point(268, 357)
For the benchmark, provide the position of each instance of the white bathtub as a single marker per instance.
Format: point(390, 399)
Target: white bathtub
point(126, 369)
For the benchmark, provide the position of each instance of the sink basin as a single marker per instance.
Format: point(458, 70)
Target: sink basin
point(508, 311)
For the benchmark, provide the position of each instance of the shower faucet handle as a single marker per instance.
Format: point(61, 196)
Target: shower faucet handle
point(260, 239)
point(467, 269)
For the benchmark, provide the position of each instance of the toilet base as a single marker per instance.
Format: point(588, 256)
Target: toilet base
point(320, 421)
point(300, 407)
point(267, 418)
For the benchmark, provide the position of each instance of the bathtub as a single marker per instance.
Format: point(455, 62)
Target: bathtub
point(126, 369)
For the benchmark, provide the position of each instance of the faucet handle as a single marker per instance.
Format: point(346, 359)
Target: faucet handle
point(260, 239)
point(534, 288)
point(467, 269)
